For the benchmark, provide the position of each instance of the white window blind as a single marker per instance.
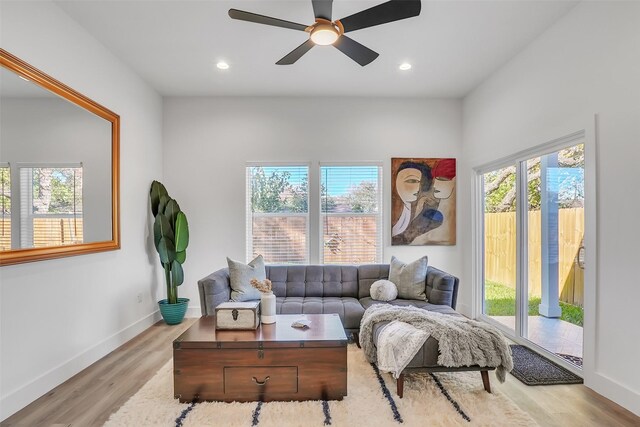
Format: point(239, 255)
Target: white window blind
point(5, 207)
point(351, 214)
point(50, 205)
point(278, 213)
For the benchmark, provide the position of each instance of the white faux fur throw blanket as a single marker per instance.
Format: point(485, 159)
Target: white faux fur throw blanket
point(462, 341)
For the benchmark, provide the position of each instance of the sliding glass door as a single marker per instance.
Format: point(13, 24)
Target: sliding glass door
point(500, 246)
point(533, 225)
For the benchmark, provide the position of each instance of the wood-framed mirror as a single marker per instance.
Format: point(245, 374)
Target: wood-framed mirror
point(59, 168)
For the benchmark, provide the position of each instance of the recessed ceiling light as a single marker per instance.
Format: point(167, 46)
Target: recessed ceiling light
point(222, 65)
point(405, 66)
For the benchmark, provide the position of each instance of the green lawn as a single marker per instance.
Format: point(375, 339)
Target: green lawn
point(501, 301)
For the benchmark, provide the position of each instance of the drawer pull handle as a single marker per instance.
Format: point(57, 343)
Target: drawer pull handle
point(255, 380)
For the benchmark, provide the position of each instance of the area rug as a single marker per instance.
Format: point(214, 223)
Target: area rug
point(534, 369)
point(442, 399)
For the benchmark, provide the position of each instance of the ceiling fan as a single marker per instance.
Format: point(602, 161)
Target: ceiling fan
point(327, 32)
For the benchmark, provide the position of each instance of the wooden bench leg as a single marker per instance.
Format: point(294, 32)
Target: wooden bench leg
point(400, 385)
point(485, 381)
point(356, 338)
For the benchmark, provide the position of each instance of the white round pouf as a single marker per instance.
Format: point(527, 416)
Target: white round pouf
point(383, 290)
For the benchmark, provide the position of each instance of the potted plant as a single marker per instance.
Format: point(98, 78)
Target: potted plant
point(171, 237)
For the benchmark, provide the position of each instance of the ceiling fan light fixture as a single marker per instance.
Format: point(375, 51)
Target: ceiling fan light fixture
point(324, 34)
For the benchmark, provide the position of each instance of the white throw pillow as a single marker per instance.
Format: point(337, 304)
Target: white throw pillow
point(398, 342)
point(383, 290)
point(240, 276)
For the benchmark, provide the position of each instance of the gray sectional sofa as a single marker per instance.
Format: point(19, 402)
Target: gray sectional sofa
point(345, 290)
point(341, 289)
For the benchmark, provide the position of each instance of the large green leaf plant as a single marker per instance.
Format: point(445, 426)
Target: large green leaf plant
point(171, 237)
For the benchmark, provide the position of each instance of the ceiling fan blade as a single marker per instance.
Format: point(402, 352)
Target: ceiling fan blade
point(393, 10)
point(354, 50)
point(266, 20)
point(322, 8)
point(296, 53)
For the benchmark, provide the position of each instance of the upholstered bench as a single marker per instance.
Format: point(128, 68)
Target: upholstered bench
point(426, 359)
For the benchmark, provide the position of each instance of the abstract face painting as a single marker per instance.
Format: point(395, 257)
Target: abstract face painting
point(423, 201)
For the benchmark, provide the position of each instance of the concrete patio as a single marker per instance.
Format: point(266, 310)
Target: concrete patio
point(555, 335)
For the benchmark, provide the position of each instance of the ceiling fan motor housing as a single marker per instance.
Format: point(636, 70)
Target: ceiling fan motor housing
point(325, 32)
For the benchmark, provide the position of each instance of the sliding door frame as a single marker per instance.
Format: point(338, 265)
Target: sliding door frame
point(587, 136)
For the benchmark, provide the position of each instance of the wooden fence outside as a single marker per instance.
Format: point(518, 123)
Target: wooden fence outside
point(347, 239)
point(500, 252)
point(46, 232)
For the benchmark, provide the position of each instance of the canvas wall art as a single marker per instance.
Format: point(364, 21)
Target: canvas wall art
point(423, 201)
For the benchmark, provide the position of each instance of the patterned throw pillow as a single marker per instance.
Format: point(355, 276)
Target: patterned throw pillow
point(409, 278)
point(240, 276)
point(383, 290)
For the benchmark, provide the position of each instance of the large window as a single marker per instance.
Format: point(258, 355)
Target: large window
point(278, 213)
point(350, 214)
point(331, 216)
point(50, 205)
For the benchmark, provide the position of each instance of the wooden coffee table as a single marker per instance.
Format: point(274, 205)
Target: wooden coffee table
point(273, 362)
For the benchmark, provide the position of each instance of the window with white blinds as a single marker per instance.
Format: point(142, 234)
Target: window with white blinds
point(351, 214)
point(50, 205)
point(5, 207)
point(278, 213)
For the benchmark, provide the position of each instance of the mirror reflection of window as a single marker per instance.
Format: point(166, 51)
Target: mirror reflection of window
point(5, 207)
point(51, 205)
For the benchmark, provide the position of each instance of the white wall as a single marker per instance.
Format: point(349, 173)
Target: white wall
point(589, 62)
point(207, 142)
point(59, 316)
point(53, 130)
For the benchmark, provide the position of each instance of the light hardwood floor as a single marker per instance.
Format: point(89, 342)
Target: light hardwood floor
point(90, 397)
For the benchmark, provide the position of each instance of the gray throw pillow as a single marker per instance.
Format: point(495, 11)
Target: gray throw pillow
point(383, 290)
point(409, 278)
point(240, 276)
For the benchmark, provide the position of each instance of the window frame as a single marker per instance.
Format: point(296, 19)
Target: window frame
point(586, 136)
point(7, 165)
point(314, 229)
point(249, 213)
point(380, 213)
point(29, 217)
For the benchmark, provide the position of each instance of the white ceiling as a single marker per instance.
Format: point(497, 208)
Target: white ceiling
point(174, 45)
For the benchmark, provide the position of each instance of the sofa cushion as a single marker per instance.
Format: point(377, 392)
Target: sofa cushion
point(240, 276)
point(313, 280)
point(409, 278)
point(349, 309)
point(368, 274)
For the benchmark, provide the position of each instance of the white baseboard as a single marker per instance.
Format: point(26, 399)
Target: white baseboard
point(613, 390)
point(194, 311)
point(17, 399)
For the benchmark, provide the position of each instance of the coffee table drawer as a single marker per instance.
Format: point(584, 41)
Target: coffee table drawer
point(260, 379)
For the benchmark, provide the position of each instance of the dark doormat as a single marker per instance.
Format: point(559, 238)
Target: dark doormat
point(576, 360)
point(533, 369)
